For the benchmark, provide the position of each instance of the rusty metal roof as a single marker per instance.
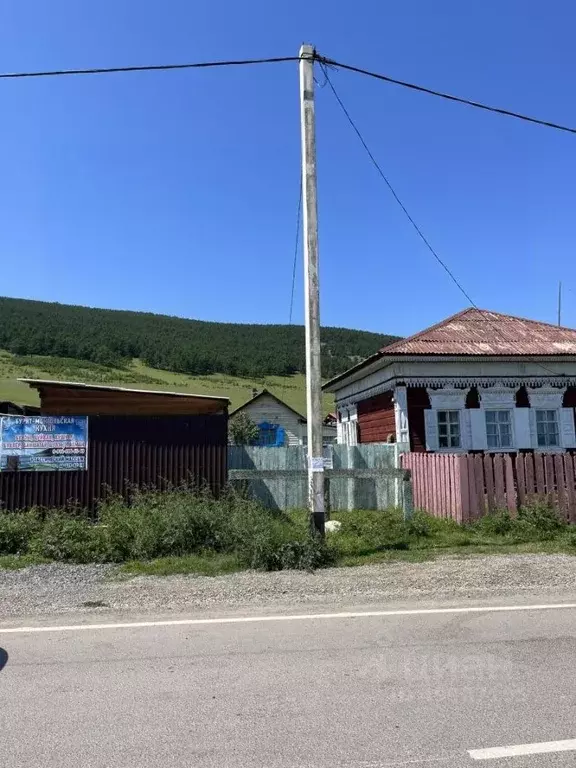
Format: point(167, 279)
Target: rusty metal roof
point(477, 332)
point(480, 332)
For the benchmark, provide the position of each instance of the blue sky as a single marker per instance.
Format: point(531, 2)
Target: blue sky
point(177, 192)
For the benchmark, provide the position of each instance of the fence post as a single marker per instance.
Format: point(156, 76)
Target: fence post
point(510, 489)
point(561, 484)
point(570, 488)
point(408, 500)
point(463, 489)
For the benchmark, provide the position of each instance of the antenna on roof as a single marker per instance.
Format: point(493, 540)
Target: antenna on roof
point(560, 303)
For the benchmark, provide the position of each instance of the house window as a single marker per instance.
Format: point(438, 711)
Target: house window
point(499, 429)
point(449, 429)
point(547, 429)
point(270, 435)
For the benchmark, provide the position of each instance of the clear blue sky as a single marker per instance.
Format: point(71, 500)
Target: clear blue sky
point(177, 192)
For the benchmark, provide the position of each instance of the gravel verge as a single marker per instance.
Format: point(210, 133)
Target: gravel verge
point(60, 589)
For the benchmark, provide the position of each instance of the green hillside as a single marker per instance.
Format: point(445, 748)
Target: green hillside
point(113, 337)
point(142, 350)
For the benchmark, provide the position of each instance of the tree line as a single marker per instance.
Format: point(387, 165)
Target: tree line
point(114, 337)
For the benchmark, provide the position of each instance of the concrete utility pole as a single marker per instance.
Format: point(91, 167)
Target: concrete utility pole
point(312, 293)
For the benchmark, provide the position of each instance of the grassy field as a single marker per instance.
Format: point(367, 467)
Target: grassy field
point(291, 389)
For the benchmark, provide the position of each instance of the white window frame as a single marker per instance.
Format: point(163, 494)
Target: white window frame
point(547, 399)
point(448, 423)
point(556, 422)
point(447, 399)
point(496, 398)
point(500, 448)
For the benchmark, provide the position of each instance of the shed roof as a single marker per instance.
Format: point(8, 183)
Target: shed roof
point(34, 383)
point(479, 333)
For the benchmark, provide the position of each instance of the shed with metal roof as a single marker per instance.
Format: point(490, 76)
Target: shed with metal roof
point(64, 398)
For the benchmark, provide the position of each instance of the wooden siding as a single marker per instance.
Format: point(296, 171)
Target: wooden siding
point(72, 401)
point(267, 408)
point(418, 402)
point(376, 419)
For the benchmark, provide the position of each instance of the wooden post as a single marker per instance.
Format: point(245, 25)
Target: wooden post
point(312, 292)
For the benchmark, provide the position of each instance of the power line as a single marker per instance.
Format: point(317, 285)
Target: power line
point(394, 194)
point(408, 216)
point(422, 89)
point(277, 59)
point(147, 68)
point(299, 213)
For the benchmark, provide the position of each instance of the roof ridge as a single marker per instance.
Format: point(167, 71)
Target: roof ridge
point(482, 312)
point(400, 342)
point(529, 320)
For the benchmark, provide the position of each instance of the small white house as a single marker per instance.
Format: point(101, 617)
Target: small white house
point(478, 381)
point(279, 424)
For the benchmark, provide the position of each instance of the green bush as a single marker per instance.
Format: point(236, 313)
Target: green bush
point(70, 539)
point(538, 521)
point(157, 524)
point(369, 531)
point(270, 540)
point(420, 524)
point(494, 524)
point(184, 522)
point(280, 551)
point(17, 530)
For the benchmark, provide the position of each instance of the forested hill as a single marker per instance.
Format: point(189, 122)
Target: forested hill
point(112, 337)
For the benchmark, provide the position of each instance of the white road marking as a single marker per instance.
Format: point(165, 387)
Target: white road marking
point(287, 617)
point(495, 753)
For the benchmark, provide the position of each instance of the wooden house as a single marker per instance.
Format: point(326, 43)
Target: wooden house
point(477, 381)
point(278, 423)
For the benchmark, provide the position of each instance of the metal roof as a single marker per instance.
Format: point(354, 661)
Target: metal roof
point(480, 332)
point(103, 387)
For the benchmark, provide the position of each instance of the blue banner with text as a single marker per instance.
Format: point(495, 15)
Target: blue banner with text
point(43, 443)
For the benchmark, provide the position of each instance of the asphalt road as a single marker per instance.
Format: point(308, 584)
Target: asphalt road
point(416, 689)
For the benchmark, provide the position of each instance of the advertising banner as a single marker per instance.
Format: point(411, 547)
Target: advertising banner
point(43, 443)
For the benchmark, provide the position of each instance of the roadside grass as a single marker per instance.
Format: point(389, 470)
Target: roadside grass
point(365, 538)
point(461, 553)
point(203, 564)
point(182, 531)
point(15, 562)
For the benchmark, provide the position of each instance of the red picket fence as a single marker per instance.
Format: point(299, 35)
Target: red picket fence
point(465, 487)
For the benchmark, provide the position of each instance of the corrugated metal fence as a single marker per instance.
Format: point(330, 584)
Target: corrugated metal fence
point(465, 487)
point(128, 451)
point(360, 477)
